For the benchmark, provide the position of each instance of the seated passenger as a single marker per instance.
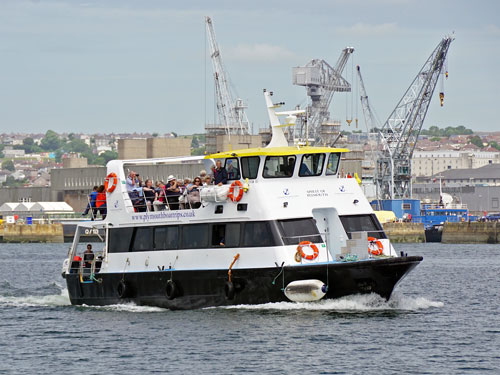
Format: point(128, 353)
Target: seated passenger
point(194, 193)
point(304, 170)
point(220, 174)
point(161, 198)
point(135, 191)
point(150, 194)
point(207, 181)
point(172, 192)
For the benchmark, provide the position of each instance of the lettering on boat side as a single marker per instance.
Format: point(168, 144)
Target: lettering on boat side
point(148, 216)
point(317, 193)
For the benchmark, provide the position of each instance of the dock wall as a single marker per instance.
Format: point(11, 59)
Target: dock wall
point(32, 233)
point(476, 232)
point(405, 232)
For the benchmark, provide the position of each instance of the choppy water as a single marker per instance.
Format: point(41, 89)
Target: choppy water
point(443, 319)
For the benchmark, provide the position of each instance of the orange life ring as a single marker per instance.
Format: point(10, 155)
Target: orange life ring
point(312, 256)
point(375, 247)
point(231, 191)
point(110, 188)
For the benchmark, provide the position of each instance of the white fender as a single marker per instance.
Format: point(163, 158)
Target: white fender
point(305, 290)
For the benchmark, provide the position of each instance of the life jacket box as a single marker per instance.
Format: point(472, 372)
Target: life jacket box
point(214, 193)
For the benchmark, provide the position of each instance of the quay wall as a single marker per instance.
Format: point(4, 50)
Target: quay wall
point(475, 232)
point(405, 232)
point(32, 233)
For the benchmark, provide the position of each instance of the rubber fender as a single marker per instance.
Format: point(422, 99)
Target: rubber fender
point(229, 290)
point(171, 289)
point(122, 289)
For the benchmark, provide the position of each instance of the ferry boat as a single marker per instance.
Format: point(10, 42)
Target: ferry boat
point(286, 227)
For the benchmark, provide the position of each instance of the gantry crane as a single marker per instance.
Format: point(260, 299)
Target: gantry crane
point(231, 112)
point(321, 81)
point(400, 132)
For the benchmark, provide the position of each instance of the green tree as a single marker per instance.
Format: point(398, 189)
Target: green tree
point(174, 134)
point(495, 145)
point(198, 151)
point(108, 155)
point(194, 142)
point(51, 141)
point(77, 145)
point(8, 165)
point(154, 135)
point(435, 139)
point(476, 140)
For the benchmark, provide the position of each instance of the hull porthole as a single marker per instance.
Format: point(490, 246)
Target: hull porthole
point(229, 290)
point(171, 289)
point(122, 289)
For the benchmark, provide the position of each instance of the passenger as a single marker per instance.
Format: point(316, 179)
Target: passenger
point(289, 166)
point(207, 181)
point(100, 202)
point(304, 170)
point(194, 193)
point(183, 193)
point(172, 192)
point(134, 190)
point(203, 174)
point(150, 194)
point(88, 256)
point(220, 174)
point(91, 205)
point(159, 204)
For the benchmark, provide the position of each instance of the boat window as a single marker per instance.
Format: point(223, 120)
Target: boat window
point(257, 234)
point(195, 236)
point(311, 165)
point(295, 231)
point(250, 166)
point(279, 166)
point(232, 168)
point(143, 239)
point(119, 240)
point(362, 223)
point(333, 164)
point(227, 235)
point(166, 238)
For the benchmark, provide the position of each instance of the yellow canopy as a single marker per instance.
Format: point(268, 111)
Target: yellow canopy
point(275, 151)
point(386, 216)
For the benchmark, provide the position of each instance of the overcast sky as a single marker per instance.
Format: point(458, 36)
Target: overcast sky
point(124, 66)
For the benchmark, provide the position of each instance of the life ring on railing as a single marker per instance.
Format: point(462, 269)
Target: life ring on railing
point(375, 247)
point(110, 188)
point(231, 196)
point(312, 256)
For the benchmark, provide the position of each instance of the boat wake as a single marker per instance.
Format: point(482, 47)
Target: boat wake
point(351, 304)
point(50, 295)
point(126, 307)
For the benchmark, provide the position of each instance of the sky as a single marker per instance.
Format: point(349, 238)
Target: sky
point(142, 66)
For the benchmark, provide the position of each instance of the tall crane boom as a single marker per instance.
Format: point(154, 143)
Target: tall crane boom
point(400, 132)
point(371, 120)
point(321, 81)
point(231, 112)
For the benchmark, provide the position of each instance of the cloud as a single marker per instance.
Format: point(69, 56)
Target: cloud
point(364, 29)
point(259, 52)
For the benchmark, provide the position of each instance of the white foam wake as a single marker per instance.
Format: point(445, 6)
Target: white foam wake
point(127, 307)
point(61, 299)
point(351, 304)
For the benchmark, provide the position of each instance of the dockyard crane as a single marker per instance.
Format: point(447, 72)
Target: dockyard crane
point(400, 132)
point(321, 81)
point(231, 112)
point(371, 120)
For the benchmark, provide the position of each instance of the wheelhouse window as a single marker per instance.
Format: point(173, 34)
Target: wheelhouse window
point(232, 168)
point(119, 240)
point(311, 165)
point(257, 234)
point(195, 236)
point(227, 235)
point(295, 231)
point(250, 166)
point(362, 223)
point(166, 238)
point(333, 164)
point(279, 166)
point(143, 239)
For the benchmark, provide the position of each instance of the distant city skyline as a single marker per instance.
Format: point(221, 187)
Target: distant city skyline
point(123, 66)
